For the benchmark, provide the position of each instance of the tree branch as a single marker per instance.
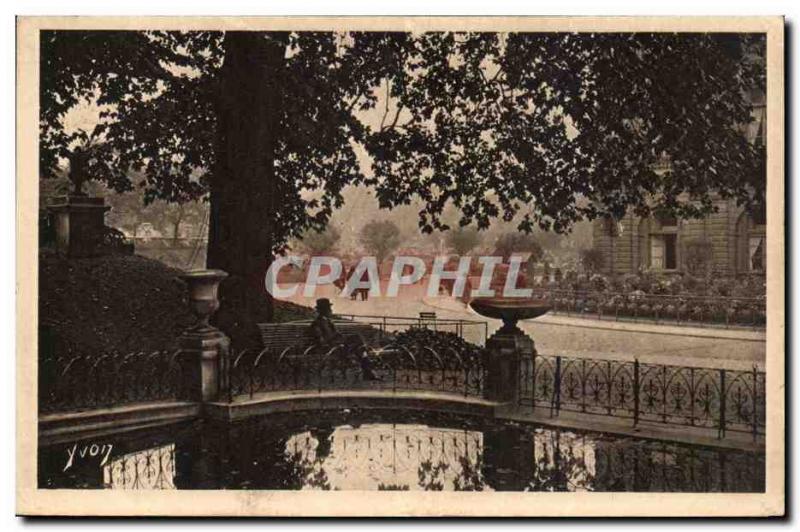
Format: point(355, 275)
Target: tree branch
point(386, 109)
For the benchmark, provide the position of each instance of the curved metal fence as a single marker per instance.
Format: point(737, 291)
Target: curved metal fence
point(725, 400)
point(79, 382)
point(390, 366)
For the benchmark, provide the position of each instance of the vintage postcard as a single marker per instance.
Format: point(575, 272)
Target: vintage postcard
point(400, 266)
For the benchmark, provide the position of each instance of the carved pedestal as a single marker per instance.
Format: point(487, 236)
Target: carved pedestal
point(505, 349)
point(79, 224)
point(204, 364)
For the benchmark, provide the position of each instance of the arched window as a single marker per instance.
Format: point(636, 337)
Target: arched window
point(751, 242)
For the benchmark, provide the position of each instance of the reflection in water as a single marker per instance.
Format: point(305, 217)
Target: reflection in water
point(143, 470)
point(384, 457)
point(364, 452)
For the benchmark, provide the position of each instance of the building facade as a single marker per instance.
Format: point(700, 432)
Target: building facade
point(734, 239)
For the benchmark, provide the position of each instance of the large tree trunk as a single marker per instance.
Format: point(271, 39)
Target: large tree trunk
point(243, 184)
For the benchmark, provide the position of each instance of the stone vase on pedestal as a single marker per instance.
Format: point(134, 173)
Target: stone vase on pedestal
point(79, 223)
point(509, 345)
point(204, 348)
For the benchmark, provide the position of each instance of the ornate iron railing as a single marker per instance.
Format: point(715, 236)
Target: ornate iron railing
point(390, 366)
point(672, 309)
point(720, 399)
point(79, 382)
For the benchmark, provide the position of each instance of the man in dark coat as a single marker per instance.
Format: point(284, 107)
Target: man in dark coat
point(324, 334)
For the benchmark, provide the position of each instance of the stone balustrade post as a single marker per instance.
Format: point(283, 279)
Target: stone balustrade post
point(505, 352)
point(509, 347)
point(79, 223)
point(204, 349)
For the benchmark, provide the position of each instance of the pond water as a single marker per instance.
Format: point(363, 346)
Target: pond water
point(359, 450)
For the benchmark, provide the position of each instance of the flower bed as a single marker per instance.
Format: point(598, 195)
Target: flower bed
point(682, 299)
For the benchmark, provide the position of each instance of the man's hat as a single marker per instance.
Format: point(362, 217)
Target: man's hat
point(324, 303)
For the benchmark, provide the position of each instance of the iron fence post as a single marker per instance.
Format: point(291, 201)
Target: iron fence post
point(251, 382)
point(609, 388)
point(533, 379)
point(691, 397)
point(664, 393)
point(722, 395)
point(755, 402)
point(556, 403)
point(635, 392)
point(583, 385)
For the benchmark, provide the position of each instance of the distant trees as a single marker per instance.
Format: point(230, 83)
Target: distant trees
point(127, 213)
point(380, 238)
point(320, 242)
point(463, 239)
point(176, 215)
point(514, 242)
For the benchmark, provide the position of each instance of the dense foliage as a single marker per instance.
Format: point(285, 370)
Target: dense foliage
point(545, 128)
point(537, 119)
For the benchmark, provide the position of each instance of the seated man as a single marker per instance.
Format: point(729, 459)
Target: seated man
point(324, 334)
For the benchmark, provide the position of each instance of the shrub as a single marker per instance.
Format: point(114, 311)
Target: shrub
point(591, 260)
point(599, 282)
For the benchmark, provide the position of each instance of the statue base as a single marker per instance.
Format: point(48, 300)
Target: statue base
point(505, 350)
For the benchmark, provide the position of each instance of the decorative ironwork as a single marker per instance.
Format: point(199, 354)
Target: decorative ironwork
point(678, 310)
point(399, 362)
point(725, 400)
point(77, 382)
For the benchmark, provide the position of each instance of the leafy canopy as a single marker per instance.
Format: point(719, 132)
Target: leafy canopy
point(545, 128)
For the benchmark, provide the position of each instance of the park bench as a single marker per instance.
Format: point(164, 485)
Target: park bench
point(427, 319)
point(281, 336)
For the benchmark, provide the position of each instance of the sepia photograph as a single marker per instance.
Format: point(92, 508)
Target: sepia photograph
point(326, 266)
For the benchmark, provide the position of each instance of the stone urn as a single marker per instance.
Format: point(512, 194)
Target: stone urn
point(203, 286)
point(510, 310)
point(508, 346)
